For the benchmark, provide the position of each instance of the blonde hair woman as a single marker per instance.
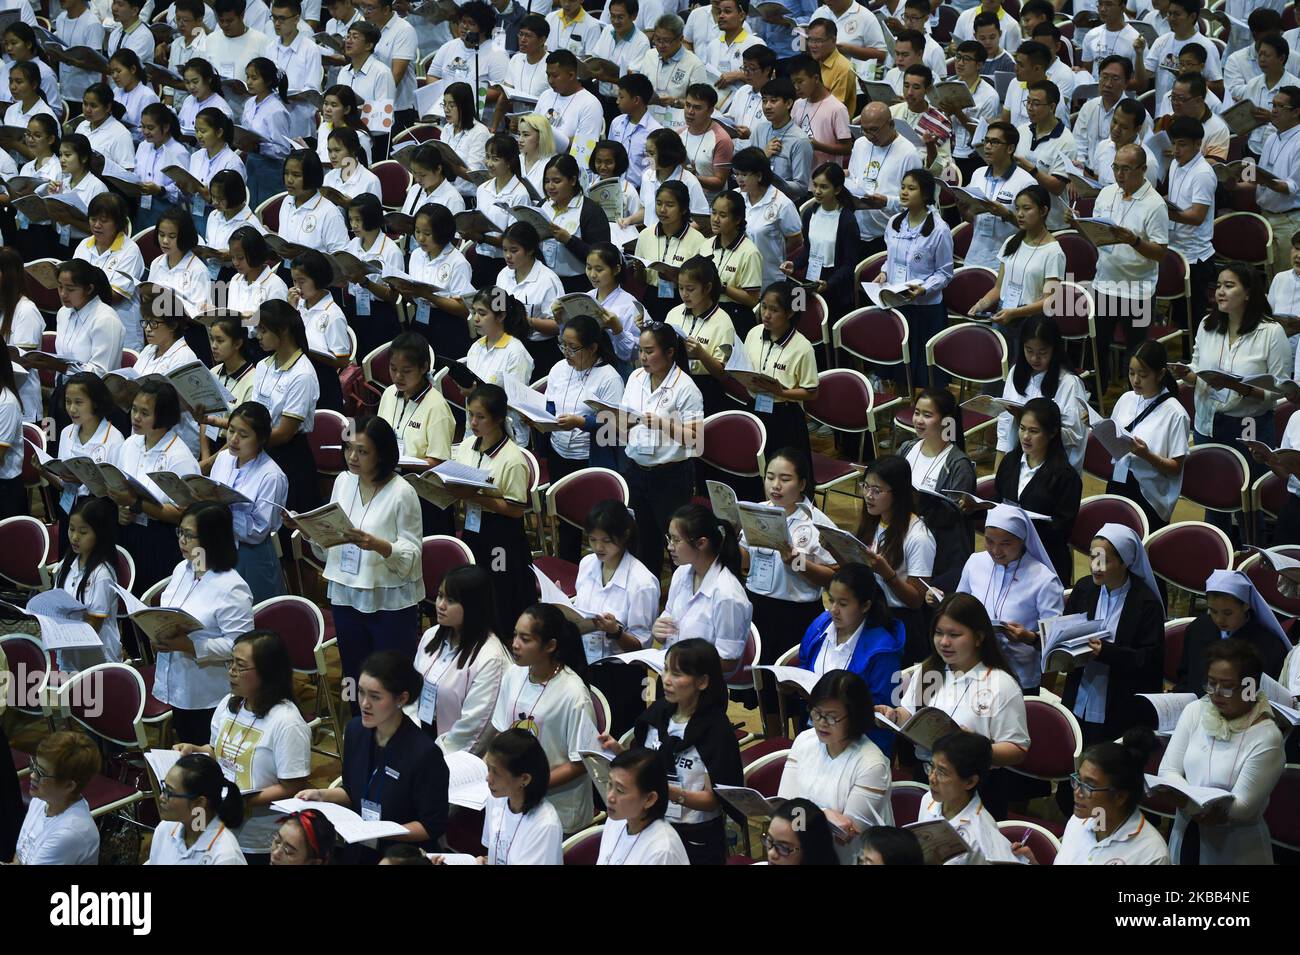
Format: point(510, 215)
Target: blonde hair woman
point(536, 146)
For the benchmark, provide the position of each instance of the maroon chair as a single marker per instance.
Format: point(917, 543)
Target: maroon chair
point(813, 320)
point(326, 440)
point(31, 667)
point(1080, 256)
point(868, 270)
point(570, 499)
point(465, 830)
point(969, 284)
point(845, 402)
point(269, 212)
point(878, 336)
point(905, 799)
point(420, 133)
point(1245, 237)
point(24, 544)
point(1105, 509)
point(1265, 581)
point(961, 237)
point(942, 31)
point(1283, 813)
point(147, 240)
point(1269, 494)
point(1186, 553)
point(1097, 460)
point(764, 774)
point(1217, 478)
point(763, 747)
point(973, 354)
point(112, 711)
point(394, 181)
point(583, 848)
point(1055, 741)
point(46, 300)
point(439, 554)
point(1039, 839)
point(733, 442)
point(985, 488)
point(1175, 635)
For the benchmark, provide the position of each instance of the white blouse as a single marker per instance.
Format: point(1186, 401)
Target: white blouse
point(170, 454)
point(772, 577)
point(362, 579)
point(631, 597)
point(223, 604)
point(1136, 842)
point(460, 700)
point(101, 601)
point(1166, 431)
point(90, 335)
point(984, 701)
point(216, 845)
point(656, 844)
point(918, 556)
point(977, 828)
point(1263, 351)
point(534, 837)
point(189, 279)
point(719, 611)
point(264, 484)
point(568, 389)
point(291, 391)
point(1071, 398)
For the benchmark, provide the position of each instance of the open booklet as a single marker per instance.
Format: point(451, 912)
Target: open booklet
point(974, 503)
point(722, 499)
point(739, 367)
point(844, 547)
point(1283, 565)
point(595, 757)
point(764, 525)
point(991, 407)
point(1065, 640)
point(924, 727)
point(326, 526)
point(159, 624)
point(101, 479)
point(531, 404)
point(805, 680)
point(750, 803)
point(61, 618)
point(1113, 437)
point(432, 484)
point(552, 594)
point(351, 828)
point(468, 784)
point(652, 658)
point(195, 488)
point(939, 840)
point(1289, 458)
point(1098, 230)
point(887, 295)
point(1199, 798)
point(1169, 707)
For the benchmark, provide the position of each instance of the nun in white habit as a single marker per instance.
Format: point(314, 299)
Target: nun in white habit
point(1013, 577)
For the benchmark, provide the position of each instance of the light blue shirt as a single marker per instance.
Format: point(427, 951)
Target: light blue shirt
point(916, 257)
point(1090, 704)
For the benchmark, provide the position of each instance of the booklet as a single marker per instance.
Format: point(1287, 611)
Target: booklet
point(723, 501)
point(198, 387)
point(1283, 565)
point(925, 726)
point(351, 828)
point(652, 658)
point(552, 594)
point(939, 840)
point(992, 407)
point(1169, 707)
point(805, 680)
point(1113, 437)
point(531, 404)
point(748, 802)
point(951, 95)
point(887, 295)
point(845, 548)
point(61, 618)
point(468, 783)
point(196, 488)
point(159, 624)
point(326, 526)
point(764, 526)
point(1199, 798)
point(1065, 640)
point(579, 303)
point(1240, 118)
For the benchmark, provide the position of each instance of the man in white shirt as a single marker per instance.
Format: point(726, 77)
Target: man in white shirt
point(1192, 184)
point(1058, 71)
point(917, 83)
point(970, 57)
point(1093, 122)
point(1272, 53)
point(647, 13)
point(370, 79)
point(1114, 36)
point(526, 71)
point(1279, 198)
point(77, 25)
point(670, 66)
point(1046, 147)
point(575, 115)
point(1032, 60)
point(1164, 52)
point(745, 108)
point(701, 27)
point(130, 33)
point(916, 15)
point(1000, 181)
point(573, 28)
point(233, 45)
point(859, 36)
point(342, 15)
point(398, 49)
point(1127, 271)
point(297, 56)
point(634, 122)
point(1125, 127)
point(471, 57)
point(1188, 99)
point(724, 54)
point(965, 28)
point(876, 167)
point(1243, 65)
point(622, 44)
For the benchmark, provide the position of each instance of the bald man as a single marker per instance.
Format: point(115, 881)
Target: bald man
point(876, 167)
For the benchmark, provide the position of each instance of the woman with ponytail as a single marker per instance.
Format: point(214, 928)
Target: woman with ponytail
point(705, 598)
point(1151, 475)
point(1108, 827)
point(200, 810)
point(546, 694)
point(265, 114)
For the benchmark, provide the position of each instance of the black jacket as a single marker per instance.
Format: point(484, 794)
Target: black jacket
point(1201, 634)
point(1136, 658)
point(954, 535)
point(709, 731)
point(408, 777)
point(1055, 491)
point(848, 253)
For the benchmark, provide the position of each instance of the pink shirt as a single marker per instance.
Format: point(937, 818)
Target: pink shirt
point(826, 121)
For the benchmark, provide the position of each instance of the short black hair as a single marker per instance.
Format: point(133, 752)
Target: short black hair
point(1036, 53)
point(166, 403)
point(381, 435)
point(313, 173)
point(563, 59)
point(1185, 127)
point(970, 753)
point(1125, 63)
point(233, 190)
point(895, 846)
point(850, 691)
point(779, 88)
point(215, 530)
point(522, 753)
point(315, 266)
point(973, 48)
point(638, 86)
point(704, 93)
point(258, 418)
point(648, 771)
point(535, 23)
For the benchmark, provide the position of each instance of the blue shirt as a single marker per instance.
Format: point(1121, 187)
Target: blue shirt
point(781, 38)
point(916, 257)
point(633, 136)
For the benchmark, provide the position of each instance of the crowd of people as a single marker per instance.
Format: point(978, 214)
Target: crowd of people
point(517, 244)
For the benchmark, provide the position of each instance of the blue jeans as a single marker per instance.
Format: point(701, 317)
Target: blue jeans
point(361, 634)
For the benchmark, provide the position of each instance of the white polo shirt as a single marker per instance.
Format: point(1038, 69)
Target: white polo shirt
point(291, 391)
point(397, 41)
point(1121, 269)
point(317, 223)
point(719, 611)
point(1189, 185)
point(1136, 842)
point(216, 845)
point(631, 597)
point(677, 398)
point(221, 601)
point(984, 701)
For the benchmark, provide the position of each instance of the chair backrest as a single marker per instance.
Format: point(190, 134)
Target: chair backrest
point(147, 240)
point(905, 798)
point(1175, 634)
point(108, 700)
point(1055, 740)
point(45, 299)
point(1174, 279)
point(30, 475)
point(1101, 509)
point(1216, 477)
point(300, 625)
point(742, 678)
point(24, 547)
point(583, 848)
point(868, 270)
point(971, 352)
point(1268, 494)
point(375, 367)
point(733, 442)
point(962, 233)
point(969, 284)
point(29, 668)
point(440, 553)
point(326, 440)
point(125, 568)
point(600, 709)
point(1041, 841)
point(1097, 460)
point(1080, 256)
point(764, 773)
point(844, 401)
point(572, 497)
point(269, 211)
point(1185, 553)
point(1243, 236)
point(1265, 580)
point(394, 181)
point(814, 318)
point(876, 335)
point(1074, 310)
point(1283, 813)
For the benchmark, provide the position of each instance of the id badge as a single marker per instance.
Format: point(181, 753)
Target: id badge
point(370, 810)
point(350, 559)
point(67, 499)
point(549, 251)
point(146, 200)
point(228, 768)
point(762, 571)
point(197, 205)
point(22, 220)
point(764, 402)
point(214, 269)
point(984, 225)
point(423, 311)
point(1011, 294)
point(474, 518)
point(362, 295)
point(814, 273)
point(429, 703)
point(65, 234)
point(666, 289)
point(646, 439)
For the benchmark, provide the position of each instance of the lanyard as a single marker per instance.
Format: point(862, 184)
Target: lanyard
point(503, 858)
point(224, 741)
point(514, 709)
point(1005, 591)
point(631, 846)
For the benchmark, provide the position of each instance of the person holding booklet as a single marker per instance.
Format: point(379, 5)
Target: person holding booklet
point(245, 467)
point(1037, 475)
point(375, 583)
point(88, 572)
point(391, 770)
point(1106, 825)
point(234, 370)
point(436, 261)
point(810, 842)
point(1041, 369)
point(546, 696)
point(1015, 580)
point(110, 248)
point(1234, 609)
point(705, 598)
point(835, 764)
point(166, 352)
point(689, 731)
point(620, 312)
point(259, 738)
point(671, 240)
point(89, 434)
point(1150, 474)
point(536, 286)
point(1122, 593)
point(940, 468)
point(329, 345)
point(499, 354)
point(494, 522)
point(177, 267)
point(461, 661)
point(306, 216)
point(201, 810)
point(149, 525)
point(776, 349)
point(256, 279)
point(636, 802)
point(1234, 722)
point(230, 212)
point(520, 827)
point(371, 303)
point(158, 149)
point(706, 330)
point(215, 132)
point(739, 263)
point(420, 417)
point(959, 765)
point(13, 494)
point(88, 331)
point(612, 579)
point(577, 442)
point(203, 92)
point(577, 223)
point(75, 157)
point(1287, 528)
point(191, 673)
point(832, 242)
point(901, 548)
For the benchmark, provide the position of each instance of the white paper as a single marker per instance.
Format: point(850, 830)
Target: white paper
point(1201, 797)
point(467, 785)
point(651, 657)
point(161, 761)
point(804, 679)
point(453, 472)
point(1169, 707)
point(349, 826)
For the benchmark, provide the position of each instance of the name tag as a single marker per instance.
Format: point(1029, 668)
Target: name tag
point(666, 289)
point(815, 266)
point(214, 270)
point(764, 403)
point(146, 200)
point(429, 703)
point(350, 559)
point(197, 205)
point(762, 571)
point(423, 311)
point(474, 518)
point(370, 810)
point(362, 296)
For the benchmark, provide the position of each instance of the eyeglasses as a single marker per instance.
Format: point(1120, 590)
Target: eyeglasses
point(965, 58)
point(234, 667)
point(39, 774)
point(282, 846)
point(1215, 689)
point(183, 535)
point(871, 490)
point(783, 849)
point(166, 792)
point(149, 324)
point(275, 19)
point(568, 351)
point(820, 716)
point(1077, 782)
point(995, 142)
point(1125, 170)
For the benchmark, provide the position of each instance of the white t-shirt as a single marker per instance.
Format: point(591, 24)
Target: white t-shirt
point(656, 844)
point(70, 838)
point(984, 701)
point(534, 837)
point(918, 556)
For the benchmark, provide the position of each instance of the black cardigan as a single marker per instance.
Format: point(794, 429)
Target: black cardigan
point(1055, 491)
point(709, 731)
point(1136, 658)
point(410, 785)
point(593, 227)
point(1201, 634)
point(848, 253)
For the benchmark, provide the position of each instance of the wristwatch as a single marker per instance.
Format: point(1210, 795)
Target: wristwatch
point(619, 632)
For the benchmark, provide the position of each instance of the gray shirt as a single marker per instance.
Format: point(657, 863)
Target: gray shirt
point(793, 165)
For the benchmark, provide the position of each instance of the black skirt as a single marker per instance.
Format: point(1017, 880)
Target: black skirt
point(154, 549)
point(331, 389)
point(787, 427)
point(296, 461)
point(714, 394)
point(13, 498)
point(501, 546)
point(378, 328)
point(545, 352)
point(446, 334)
